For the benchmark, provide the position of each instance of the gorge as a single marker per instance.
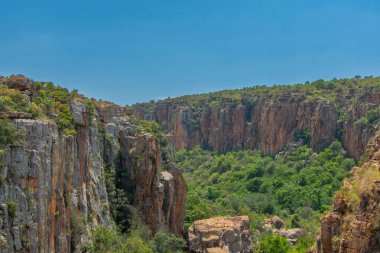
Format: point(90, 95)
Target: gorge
point(71, 165)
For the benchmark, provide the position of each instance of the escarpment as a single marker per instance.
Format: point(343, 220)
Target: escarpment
point(267, 119)
point(353, 224)
point(54, 182)
point(51, 189)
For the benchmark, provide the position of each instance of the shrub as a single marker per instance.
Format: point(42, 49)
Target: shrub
point(90, 108)
point(254, 171)
point(303, 134)
point(165, 243)
point(362, 123)
point(274, 244)
point(8, 134)
point(151, 127)
point(109, 240)
point(12, 209)
point(254, 184)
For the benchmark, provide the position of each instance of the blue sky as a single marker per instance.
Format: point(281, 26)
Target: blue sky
point(133, 51)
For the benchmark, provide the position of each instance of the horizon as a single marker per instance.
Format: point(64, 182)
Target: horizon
point(129, 52)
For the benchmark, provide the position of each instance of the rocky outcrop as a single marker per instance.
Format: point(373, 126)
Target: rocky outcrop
point(18, 82)
point(273, 223)
point(267, 122)
point(353, 224)
point(53, 189)
point(157, 195)
point(276, 225)
point(221, 234)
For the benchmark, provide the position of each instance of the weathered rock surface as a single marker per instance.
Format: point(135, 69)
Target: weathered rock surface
point(221, 234)
point(17, 82)
point(52, 187)
point(266, 123)
point(273, 223)
point(276, 225)
point(350, 228)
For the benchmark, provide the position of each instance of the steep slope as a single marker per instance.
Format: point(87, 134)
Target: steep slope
point(53, 184)
point(267, 118)
point(354, 224)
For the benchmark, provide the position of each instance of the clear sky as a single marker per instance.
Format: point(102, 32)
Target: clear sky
point(133, 51)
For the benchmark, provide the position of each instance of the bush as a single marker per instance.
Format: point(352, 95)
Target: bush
point(362, 123)
point(274, 244)
point(8, 134)
point(303, 134)
point(166, 243)
point(90, 108)
point(254, 184)
point(109, 240)
point(151, 127)
point(12, 209)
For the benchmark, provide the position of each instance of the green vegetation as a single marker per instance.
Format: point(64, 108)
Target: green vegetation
point(274, 244)
point(165, 243)
point(47, 101)
point(320, 89)
point(369, 120)
point(90, 108)
point(118, 198)
point(8, 134)
point(12, 209)
point(55, 103)
point(297, 185)
point(13, 100)
point(151, 127)
point(110, 240)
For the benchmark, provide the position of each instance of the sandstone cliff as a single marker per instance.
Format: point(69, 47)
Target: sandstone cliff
point(353, 226)
point(53, 187)
point(266, 121)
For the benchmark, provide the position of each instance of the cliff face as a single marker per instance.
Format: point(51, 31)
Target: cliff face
point(353, 226)
point(157, 189)
point(53, 189)
point(266, 123)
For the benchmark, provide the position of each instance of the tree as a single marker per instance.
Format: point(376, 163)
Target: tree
point(166, 243)
point(274, 244)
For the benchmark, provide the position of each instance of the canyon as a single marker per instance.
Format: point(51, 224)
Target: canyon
point(57, 184)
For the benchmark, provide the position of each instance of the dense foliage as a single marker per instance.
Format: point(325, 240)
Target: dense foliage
point(296, 185)
point(8, 134)
point(43, 100)
point(319, 89)
point(274, 244)
point(370, 119)
point(110, 240)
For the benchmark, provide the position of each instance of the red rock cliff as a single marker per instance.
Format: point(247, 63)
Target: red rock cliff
point(266, 123)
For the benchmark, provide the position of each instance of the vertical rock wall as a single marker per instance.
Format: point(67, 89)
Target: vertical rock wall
point(266, 123)
point(53, 191)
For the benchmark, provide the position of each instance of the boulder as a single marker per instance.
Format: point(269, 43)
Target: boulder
point(273, 223)
point(221, 234)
